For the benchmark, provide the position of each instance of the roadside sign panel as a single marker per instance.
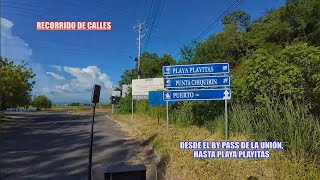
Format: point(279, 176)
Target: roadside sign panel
point(141, 87)
point(203, 81)
point(197, 94)
point(116, 93)
point(155, 99)
point(195, 69)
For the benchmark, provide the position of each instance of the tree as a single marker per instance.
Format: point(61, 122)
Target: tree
point(127, 76)
point(15, 84)
point(307, 59)
point(188, 52)
point(266, 78)
point(229, 46)
point(238, 17)
point(41, 102)
point(151, 64)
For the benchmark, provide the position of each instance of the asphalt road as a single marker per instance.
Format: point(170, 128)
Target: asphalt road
point(56, 145)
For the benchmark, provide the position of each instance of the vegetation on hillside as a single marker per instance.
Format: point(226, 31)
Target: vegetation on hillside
point(275, 77)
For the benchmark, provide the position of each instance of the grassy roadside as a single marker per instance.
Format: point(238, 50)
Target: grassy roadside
point(179, 164)
point(81, 109)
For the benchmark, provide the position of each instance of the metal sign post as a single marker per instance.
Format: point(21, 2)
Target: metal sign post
point(95, 99)
point(91, 142)
point(226, 118)
point(167, 116)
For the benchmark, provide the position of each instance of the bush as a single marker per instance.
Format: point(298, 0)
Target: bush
point(41, 102)
point(125, 105)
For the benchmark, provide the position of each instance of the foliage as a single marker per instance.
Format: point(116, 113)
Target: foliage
point(240, 18)
point(41, 102)
point(15, 84)
point(74, 104)
point(151, 64)
point(150, 67)
point(266, 78)
point(307, 59)
point(229, 46)
point(125, 103)
point(188, 52)
point(127, 76)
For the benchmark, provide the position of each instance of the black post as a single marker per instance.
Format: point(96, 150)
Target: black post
point(91, 142)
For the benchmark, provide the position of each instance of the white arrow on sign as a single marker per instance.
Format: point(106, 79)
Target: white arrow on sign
point(226, 95)
point(168, 96)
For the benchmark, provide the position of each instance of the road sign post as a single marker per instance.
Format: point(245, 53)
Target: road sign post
point(167, 115)
point(94, 99)
point(226, 118)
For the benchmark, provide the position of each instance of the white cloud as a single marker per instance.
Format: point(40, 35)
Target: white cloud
point(13, 47)
point(78, 89)
point(56, 67)
point(55, 75)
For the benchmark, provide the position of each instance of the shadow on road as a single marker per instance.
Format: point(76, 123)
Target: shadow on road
point(55, 146)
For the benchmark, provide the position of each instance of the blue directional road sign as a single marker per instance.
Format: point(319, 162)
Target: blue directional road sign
point(197, 94)
point(194, 69)
point(203, 81)
point(155, 99)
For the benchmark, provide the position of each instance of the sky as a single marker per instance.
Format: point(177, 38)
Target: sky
point(68, 63)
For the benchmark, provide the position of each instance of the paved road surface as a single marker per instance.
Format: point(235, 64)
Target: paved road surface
point(55, 145)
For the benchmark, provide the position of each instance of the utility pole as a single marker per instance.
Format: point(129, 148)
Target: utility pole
point(139, 28)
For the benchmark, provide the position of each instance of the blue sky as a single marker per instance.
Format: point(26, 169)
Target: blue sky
point(67, 63)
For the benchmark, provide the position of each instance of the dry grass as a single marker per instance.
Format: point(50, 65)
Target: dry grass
point(81, 109)
point(179, 164)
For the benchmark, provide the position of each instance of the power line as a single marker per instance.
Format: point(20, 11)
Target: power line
point(210, 27)
point(150, 21)
point(158, 10)
point(215, 22)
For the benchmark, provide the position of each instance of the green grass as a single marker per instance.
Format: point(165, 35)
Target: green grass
point(286, 121)
point(291, 123)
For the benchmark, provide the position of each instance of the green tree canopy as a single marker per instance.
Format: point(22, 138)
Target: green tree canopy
point(151, 64)
point(240, 18)
point(267, 78)
point(41, 102)
point(15, 84)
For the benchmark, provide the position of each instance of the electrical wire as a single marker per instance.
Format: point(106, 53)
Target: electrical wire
point(214, 23)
